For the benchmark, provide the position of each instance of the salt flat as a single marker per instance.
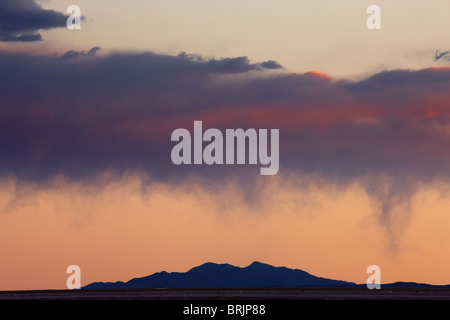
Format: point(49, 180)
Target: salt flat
point(234, 294)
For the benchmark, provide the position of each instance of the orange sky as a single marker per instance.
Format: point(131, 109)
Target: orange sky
point(124, 230)
point(325, 35)
point(118, 229)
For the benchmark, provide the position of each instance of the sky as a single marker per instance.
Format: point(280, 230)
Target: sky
point(86, 118)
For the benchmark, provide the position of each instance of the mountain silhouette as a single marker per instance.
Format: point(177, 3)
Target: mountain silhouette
point(257, 275)
point(212, 275)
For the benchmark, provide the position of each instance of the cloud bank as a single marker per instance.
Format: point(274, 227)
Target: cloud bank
point(116, 112)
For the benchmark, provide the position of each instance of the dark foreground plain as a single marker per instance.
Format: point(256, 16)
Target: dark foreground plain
point(234, 294)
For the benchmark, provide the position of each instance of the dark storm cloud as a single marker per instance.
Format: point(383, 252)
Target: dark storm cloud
point(116, 112)
point(20, 20)
point(78, 117)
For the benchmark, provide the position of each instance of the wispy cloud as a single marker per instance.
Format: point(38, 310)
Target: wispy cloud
point(441, 55)
point(72, 54)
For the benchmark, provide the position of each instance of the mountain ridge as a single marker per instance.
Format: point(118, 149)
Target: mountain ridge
point(224, 275)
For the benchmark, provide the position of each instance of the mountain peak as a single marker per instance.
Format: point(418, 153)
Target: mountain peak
point(209, 266)
point(259, 265)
